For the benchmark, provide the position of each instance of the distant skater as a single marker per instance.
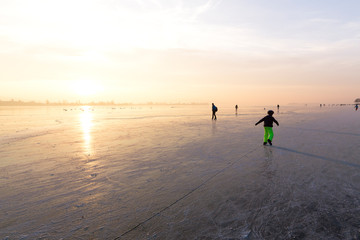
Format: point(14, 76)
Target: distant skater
point(278, 106)
point(236, 108)
point(268, 125)
point(356, 107)
point(214, 110)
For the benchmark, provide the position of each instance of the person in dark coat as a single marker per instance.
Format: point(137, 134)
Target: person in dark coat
point(268, 125)
point(214, 110)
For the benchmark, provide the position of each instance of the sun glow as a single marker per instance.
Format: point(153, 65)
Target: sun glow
point(86, 117)
point(86, 87)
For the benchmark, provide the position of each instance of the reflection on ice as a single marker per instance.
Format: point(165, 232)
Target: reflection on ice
point(213, 127)
point(268, 153)
point(86, 117)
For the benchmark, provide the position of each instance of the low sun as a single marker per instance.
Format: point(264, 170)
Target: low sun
point(86, 87)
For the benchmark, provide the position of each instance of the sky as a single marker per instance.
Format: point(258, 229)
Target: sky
point(245, 52)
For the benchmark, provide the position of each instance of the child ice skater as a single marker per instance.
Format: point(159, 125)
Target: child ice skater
point(268, 125)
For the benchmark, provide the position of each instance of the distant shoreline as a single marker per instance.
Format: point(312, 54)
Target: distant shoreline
point(33, 103)
point(112, 103)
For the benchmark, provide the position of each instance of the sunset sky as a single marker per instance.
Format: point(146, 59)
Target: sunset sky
point(229, 52)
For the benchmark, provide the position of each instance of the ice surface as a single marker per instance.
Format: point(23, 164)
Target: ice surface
point(173, 173)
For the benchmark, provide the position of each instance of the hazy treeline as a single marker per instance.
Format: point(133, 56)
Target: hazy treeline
point(79, 103)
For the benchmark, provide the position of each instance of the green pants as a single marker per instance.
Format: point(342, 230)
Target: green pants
point(268, 133)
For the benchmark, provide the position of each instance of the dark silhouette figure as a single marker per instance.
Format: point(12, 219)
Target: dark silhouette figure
point(356, 107)
point(268, 125)
point(214, 110)
point(278, 106)
point(236, 108)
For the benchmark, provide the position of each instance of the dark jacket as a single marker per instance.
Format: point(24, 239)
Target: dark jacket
point(214, 108)
point(268, 121)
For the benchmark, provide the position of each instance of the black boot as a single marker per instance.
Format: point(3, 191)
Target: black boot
point(265, 143)
point(269, 141)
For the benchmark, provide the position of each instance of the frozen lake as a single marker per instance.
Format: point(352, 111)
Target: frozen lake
point(165, 172)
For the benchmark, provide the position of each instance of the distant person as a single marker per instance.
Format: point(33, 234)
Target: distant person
point(356, 107)
point(214, 110)
point(320, 105)
point(268, 125)
point(278, 106)
point(236, 108)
